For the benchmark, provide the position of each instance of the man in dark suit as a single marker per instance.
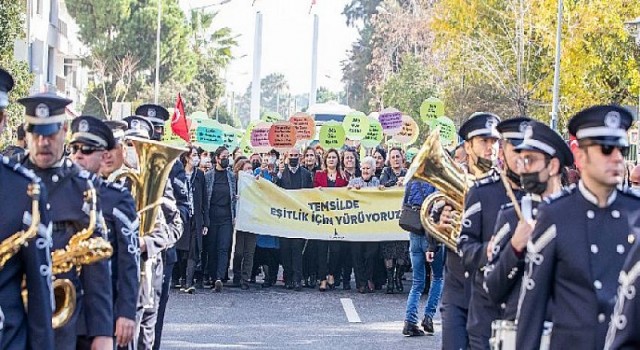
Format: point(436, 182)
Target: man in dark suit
point(581, 239)
point(23, 328)
point(46, 126)
point(293, 177)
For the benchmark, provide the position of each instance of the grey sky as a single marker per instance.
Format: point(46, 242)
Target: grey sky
point(287, 34)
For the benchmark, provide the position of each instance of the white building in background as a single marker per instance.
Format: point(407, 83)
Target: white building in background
point(53, 51)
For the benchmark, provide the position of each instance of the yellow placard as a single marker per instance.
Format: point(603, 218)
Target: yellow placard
point(342, 214)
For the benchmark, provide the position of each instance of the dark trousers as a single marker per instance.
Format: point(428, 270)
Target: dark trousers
point(328, 258)
point(180, 269)
point(219, 244)
point(364, 256)
point(291, 253)
point(310, 259)
point(162, 306)
point(243, 255)
point(454, 327)
point(345, 265)
point(268, 258)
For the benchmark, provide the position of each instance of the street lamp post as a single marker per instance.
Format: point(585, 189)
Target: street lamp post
point(157, 82)
point(556, 73)
point(634, 27)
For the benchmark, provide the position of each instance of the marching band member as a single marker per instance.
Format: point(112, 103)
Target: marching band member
point(46, 127)
point(581, 239)
point(623, 329)
point(480, 135)
point(31, 329)
point(482, 203)
point(152, 244)
point(91, 140)
point(158, 115)
point(543, 155)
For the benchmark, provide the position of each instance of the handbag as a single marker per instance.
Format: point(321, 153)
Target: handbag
point(410, 219)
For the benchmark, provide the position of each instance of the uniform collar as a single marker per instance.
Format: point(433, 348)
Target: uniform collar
point(591, 198)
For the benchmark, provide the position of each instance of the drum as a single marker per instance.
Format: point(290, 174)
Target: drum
point(503, 335)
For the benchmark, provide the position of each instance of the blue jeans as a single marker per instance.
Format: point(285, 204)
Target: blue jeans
point(418, 245)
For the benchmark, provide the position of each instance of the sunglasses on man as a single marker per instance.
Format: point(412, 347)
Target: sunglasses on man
point(84, 149)
point(608, 149)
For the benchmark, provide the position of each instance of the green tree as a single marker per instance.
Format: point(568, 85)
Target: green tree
point(325, 95)
point(12, 14)
point(408, 88)
point(356, 73)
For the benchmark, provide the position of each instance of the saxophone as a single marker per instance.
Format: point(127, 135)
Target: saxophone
point(80, 250)
point(12, 245)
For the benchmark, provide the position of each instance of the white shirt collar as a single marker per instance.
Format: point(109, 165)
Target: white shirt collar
point(591, 198)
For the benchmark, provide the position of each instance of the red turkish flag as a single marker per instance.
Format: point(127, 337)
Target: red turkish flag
point(179, 124)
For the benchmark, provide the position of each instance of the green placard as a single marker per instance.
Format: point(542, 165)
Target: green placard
point(271, 117)
point(245, 146)
point(431, 108)
point(374, 134)
point(356, 125)
point(448, 135)
point(209, 135)
point(411, 153)
point(332, 135)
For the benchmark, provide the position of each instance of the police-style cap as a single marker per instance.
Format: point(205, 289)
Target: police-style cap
point(6, 85)
point(44, 113)
point(606, 125)
point(539, 137)
point(480, 124)
point(91, 131)
point(513, 129)
point(138, 126)
point(156, 114)
point(118, 128)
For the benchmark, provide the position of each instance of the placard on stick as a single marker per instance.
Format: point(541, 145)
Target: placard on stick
point(260, 138)
point(409, 133)
point(356, 125)
point(374, 134)
point(332, 135)
point(282, 136)
point(391, 121)
point(305, 126)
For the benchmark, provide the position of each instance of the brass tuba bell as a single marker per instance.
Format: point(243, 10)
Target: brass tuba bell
point(434, 165)
point(155, 161)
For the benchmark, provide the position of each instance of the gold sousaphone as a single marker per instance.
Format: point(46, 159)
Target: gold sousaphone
point(434, 165)
point(148, 182)
point(155, 160)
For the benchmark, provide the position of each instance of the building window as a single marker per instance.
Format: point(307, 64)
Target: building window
point(39, 7)
point(51, 74)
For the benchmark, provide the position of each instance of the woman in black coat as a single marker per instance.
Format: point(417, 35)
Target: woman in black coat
point(190, 244)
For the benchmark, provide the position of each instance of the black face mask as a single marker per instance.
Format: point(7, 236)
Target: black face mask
point(293, 162)
point(224, 163)
point(484, 164)
point(515, 178)
point(255, 164)
point(531, 183)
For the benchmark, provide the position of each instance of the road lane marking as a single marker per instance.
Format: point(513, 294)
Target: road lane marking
point(350, 310)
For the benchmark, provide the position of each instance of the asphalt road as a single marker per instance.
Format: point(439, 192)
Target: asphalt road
point(276, 318)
